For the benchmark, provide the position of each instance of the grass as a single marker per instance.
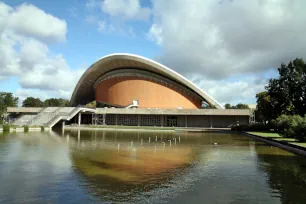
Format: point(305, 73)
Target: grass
point(277, 137)
point(266, 134)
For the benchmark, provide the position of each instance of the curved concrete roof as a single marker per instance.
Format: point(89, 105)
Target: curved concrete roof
point(84, 91)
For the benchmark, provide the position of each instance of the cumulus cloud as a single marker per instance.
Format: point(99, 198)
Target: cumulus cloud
point(25, 32)
point(30, 21)
point(218, 40)
point(125, 9)
point(223, 38)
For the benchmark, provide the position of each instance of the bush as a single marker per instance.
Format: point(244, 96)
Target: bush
point(42, 128)
point(290, 125)
point(6, 128)
point(26, 128)
point(251, 127)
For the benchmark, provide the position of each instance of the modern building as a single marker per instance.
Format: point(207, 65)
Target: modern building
point(131, 90)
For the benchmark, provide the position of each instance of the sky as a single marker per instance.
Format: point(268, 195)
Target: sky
point(229, 48)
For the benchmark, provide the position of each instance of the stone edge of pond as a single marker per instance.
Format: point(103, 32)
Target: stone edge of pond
point(117, 129)
point(281, 144)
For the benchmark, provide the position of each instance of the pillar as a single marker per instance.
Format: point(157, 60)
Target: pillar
point(116, 120)
point(138, 122)
point(161, 120)
point(186, 121)
point(211, 122)
point(63, 124)
point(80, 118)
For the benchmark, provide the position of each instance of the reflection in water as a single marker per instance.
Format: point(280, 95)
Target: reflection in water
point(286, 173)
point(146, 167)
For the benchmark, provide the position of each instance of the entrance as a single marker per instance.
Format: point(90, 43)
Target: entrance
point(172, 121)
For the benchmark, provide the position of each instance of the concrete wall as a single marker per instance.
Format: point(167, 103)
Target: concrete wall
point(204, 121)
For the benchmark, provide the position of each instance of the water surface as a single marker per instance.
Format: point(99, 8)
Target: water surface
point(146, 167)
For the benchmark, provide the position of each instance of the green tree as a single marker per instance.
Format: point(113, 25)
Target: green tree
point(7, 100)
point(227, 106)
point(241, 106)
point(56, 102)
point(264, 110)
point(32, 102)
point(238, 106)
point(288, 92)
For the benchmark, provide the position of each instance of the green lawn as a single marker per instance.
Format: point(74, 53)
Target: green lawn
point(266, 134)
point(277, 137)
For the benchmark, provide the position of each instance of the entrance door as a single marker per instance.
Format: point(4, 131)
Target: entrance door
point(172, 121)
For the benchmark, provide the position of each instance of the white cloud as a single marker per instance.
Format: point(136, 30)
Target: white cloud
point(220, 39)
point(29, 20)
point(155, 34)
point(125, 9)
point(24, 54)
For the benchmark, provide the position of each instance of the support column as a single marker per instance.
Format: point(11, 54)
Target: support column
point(116, 120)
point(186, 121)
point(138, 122)
point(80, 118)
point(63, 124)
point(211, 122)
point(161, 120)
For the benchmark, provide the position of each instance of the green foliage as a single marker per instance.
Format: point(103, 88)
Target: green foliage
point(42, 128)
point(7, 100)
point(227, 106)
point(238, 106)
point(26, 128)
point(32, 102)
point(251, 127)
point(6, 128)
point(92, 104)
point(285, 94)
point(56, 102)
point(291, 126)
point(264, 111)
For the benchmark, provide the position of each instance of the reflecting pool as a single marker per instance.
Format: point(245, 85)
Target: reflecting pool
point(146, 167)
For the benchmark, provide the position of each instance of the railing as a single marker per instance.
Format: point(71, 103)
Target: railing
point(56, 118)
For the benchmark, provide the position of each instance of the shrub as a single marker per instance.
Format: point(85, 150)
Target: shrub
point(42, 128)
point(290, 125)
point(26, 128)
point(251, 127)
point(6, 128)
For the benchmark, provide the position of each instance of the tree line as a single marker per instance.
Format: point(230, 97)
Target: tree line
point(51, 102)
point(7, 99)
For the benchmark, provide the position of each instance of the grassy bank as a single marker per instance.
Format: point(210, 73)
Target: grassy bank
point(278, 137)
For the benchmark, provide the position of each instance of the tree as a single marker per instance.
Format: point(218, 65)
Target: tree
point(264, 110)
point(238, 106)
point(288, 92)
point(227, 106)
point(32, 102)
point(56, 102)
point(7, 100)
point(241, 106)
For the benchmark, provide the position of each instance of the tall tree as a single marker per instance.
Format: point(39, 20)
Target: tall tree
point(7, 100)
point(288, 92)
point(264, 110)
point(32, 102)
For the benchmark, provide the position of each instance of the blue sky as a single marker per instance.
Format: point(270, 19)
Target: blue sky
point(229, 48)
